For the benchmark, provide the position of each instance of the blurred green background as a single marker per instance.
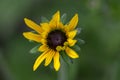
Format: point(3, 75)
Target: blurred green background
point(99, 56)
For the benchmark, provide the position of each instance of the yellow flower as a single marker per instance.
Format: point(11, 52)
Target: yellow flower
point(54, 37)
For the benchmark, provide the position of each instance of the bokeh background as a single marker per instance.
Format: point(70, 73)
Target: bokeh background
point(99, 56)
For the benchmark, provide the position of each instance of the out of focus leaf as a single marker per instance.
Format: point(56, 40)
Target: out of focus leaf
point(80, 41)
point(63, 18)
point(34, 49)
point(44, 19)
point(78, 31)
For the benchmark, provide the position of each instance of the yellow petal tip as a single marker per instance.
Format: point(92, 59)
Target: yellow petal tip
point(76, 14)
point(34, 69)
point(25, 19)
point(45, 65)
point(76, 17)
point(58, 12)
point(77, 56)
point(57, 69)
point(24, 34)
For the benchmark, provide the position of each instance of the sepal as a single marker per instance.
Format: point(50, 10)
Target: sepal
point(80, 41)
point(67, 59)
point(76, 48)
point(44, 19)
point(34, 49)
point(63, 18)
point(78, 30)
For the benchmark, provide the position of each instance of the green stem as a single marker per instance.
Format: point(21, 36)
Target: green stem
point(63, 72)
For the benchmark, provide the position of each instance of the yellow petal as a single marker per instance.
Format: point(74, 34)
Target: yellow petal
point(32, 36)
point(43, 48)
point(71, 42)
point(49, 57)
point(72, 34)
point(43, 41)
point(44, 34)
point(73, 23)
point(71, 53)
point(66, 43)
point(66, 28)
point(45, 26)
point(57, 61)
point(59, 48)
point(60, 26)
point(40, 59)
point(55, 20)
point(33, 25)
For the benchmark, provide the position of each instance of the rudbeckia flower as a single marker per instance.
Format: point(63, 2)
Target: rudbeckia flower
point(54, 37)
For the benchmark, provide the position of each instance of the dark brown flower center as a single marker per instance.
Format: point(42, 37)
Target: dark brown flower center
point(56, 38)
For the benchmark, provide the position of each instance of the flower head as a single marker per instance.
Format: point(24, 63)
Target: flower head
point(54, 37)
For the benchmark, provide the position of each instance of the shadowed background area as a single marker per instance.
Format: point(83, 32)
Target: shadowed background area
point(99, 56)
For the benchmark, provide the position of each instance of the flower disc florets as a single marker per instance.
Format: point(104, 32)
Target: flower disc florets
point(56, 38)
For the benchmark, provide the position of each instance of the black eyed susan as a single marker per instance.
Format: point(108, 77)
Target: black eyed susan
point(54, 37)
